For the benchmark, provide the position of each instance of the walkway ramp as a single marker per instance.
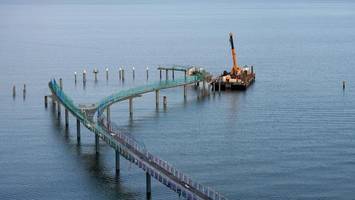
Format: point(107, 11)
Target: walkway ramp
point(134, 152)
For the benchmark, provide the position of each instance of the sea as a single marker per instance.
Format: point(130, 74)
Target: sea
point(291, 135)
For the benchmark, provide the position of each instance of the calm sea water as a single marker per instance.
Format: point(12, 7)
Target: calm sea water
point(290, 136)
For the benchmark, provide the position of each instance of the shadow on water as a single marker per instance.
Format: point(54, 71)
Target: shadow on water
point(92, 163)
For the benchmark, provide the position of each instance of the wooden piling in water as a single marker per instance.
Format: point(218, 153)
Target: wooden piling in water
point(78, 131)
point(97, 143)
point(165, 101)
point(148, 186)
point(24, 91)
point(117, 162)
point(66, 116)
point(147, 71)
point(157, 98)
point(130, 100)
point(106, 74)
point(133, 73)
point(46, 101)
point(14, 91)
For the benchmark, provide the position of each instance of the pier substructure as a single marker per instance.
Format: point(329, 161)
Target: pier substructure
point(59, 111)
point(157, 98)
point(66, 118)
point(78, 130)
point(130, 100)
point(185, 92)
point(53, 102)
point(117, 163)
point(149, 188)
point(97, 143)
point(108, 112)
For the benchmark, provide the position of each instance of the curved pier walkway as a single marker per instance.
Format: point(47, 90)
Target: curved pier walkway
point(126, 146)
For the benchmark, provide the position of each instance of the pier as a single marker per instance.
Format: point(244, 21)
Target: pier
point(125, 146)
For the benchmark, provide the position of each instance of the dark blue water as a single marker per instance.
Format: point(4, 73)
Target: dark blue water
point(290, 136)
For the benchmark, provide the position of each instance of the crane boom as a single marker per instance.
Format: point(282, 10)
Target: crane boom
point(235, 69)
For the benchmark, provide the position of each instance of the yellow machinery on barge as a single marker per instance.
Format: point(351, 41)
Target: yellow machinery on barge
point(239, 78)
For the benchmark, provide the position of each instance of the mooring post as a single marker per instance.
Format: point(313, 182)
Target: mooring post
point(120, 73)
point(95, 72)
point(147, 71)
point(149, 188)
point(165, 101)
point(106, 74)
point(46, 101)
point(24, 90)
point(66, 118)
point(133, 73)
point(97, 143)
point(84, 76)
point(157, 98)
point(14, 91)
point(166, 74)
point(130, 100)
point(75, 79)
point(117, 162)
point(78, 130)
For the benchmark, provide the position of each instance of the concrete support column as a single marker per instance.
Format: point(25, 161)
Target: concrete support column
point(157, 98)
point(108, 112)
point(61, 87)
point(185, 92)
point(160, 74)
point(203, 88)
point(97, 143)
point(166, 74)
point(117, 163)
point(219, 86)
point(59, 111)
point(78, 130)
point(130, 100)
point(66, 118)
point(173, 74)
point(53, 102)
point(149, 188)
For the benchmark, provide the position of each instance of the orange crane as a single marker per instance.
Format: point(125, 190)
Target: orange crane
point(238, 78)
point(235, 69)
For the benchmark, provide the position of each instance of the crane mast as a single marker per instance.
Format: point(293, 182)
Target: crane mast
point(235, 69)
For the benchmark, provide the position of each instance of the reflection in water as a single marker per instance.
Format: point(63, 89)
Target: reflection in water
point(93, 164)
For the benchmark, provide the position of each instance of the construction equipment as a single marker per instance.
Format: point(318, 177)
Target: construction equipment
point(239, 78)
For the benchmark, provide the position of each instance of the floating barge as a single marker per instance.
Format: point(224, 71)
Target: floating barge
point(239, 78)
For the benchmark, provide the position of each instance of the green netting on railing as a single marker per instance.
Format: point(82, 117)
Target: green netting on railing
point(61, 96)
point(144, 89)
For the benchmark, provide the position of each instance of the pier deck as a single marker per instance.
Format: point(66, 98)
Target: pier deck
point(130, 149)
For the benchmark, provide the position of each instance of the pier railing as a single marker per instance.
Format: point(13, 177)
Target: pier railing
point(137, 153)
point(182, 177)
